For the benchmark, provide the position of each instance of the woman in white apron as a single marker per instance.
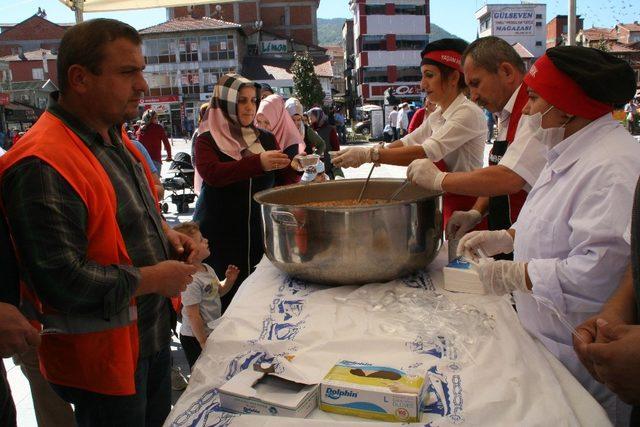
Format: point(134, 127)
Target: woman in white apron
point(569, 250)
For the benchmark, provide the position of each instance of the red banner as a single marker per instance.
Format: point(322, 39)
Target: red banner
point(4, 99)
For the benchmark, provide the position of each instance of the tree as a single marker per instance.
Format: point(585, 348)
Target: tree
point(306, 85)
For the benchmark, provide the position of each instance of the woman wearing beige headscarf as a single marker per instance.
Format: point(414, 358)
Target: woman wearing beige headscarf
point(235, 160)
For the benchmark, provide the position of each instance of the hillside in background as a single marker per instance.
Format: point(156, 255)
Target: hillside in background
point(330, 31)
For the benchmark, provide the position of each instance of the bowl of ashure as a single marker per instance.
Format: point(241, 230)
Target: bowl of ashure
point(321, 233)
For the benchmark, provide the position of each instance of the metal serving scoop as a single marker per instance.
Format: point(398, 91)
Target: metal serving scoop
point(398, 191)
point(364, 187)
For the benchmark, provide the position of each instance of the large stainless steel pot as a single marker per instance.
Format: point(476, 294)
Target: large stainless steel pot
point(355, 245)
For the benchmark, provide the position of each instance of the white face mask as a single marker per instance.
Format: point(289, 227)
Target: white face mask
point(550, 137)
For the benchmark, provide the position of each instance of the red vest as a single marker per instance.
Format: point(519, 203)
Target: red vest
point(99, 355)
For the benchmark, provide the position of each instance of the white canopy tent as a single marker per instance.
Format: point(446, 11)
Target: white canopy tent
point(81, 6)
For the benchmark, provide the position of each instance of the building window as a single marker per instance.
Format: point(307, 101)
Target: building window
point(188, 49)
point(162, 83)
point(538, 43)
point(538, 16)
point(37, 73)
point(190, 81)
point(409, 9)
point(485, 23)
point(373, 42)
point(210, 77)
point(159, 51)
point(408, 74)
point(215, 48)
point(375, 9)
point(538, 24)
point(411, 42)
point(374, 74)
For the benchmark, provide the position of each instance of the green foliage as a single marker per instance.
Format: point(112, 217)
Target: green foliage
point(306, 86)
point(330, 31)
point(603, 46)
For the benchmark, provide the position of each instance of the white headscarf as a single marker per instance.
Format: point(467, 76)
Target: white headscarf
point(293, 107)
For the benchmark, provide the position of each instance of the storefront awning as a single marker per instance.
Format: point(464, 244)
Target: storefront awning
point(19, 113)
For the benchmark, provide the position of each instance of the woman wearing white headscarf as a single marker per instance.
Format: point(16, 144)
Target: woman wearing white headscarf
point(235, 160)
point(313, 142)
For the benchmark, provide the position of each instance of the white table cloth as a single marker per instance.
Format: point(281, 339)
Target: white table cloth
point(505, 378)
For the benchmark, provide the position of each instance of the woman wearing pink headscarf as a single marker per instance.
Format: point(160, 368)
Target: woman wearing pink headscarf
point(272, 116)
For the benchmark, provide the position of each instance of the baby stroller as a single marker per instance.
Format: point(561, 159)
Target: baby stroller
point(179, 188)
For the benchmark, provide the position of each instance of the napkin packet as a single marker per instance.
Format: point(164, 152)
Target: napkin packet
point(276, 389)
point(460, 276)
point(373, 391)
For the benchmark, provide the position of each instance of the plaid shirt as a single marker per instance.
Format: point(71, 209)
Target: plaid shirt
point(48, 221)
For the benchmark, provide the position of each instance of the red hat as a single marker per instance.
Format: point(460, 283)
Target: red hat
point(450, 58)
point(558, 89)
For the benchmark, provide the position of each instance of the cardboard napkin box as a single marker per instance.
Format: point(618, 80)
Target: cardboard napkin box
point(259, 390)
point(373, 391)
point(460, 276)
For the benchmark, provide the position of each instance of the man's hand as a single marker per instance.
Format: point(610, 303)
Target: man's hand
point(167, 278)
point(273, 160)
point(587, 333)
point(16, 333)
point(489, 242)
point(461, 222)
point(616, 359)
point(184, 247)
point(231, 275)
point(502, 277)
point(352, 157)
point(425, 173)
point(168, 159)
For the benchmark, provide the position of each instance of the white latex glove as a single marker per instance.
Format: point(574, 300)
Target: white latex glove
point(489, 242)
point(424, 173)
point(352, 157)
point(461, 222)
point(502, 277)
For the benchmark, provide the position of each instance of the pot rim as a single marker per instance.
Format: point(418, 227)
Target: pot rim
point(259, 195)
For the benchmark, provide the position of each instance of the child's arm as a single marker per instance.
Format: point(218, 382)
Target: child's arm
point(197, 324)
point(230, 279)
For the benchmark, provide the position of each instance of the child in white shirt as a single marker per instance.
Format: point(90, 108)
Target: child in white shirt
point(201, 299)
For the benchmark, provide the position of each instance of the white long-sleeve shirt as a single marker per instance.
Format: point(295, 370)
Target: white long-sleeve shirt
point(457, 135)
point(402, 120)
point(525, 155)
point(570, 231)
point(393, 118)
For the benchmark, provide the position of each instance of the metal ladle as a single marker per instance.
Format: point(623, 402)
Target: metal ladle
point(364, 187)
point(399, 190)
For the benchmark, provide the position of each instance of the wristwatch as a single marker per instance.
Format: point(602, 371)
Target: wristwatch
point(375, 153)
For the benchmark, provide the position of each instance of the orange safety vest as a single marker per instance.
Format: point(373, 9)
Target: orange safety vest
point(92, 354)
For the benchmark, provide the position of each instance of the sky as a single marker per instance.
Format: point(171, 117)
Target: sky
point(457, 17)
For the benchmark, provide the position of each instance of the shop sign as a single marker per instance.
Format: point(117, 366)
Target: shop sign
point(274, 46)
point(160, 99)
point(161, 108)
point(4, 99)
point(399, 90)
point(513, 21)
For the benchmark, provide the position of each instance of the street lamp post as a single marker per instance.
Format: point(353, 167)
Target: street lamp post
point(258, 26)
point(571, 25)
